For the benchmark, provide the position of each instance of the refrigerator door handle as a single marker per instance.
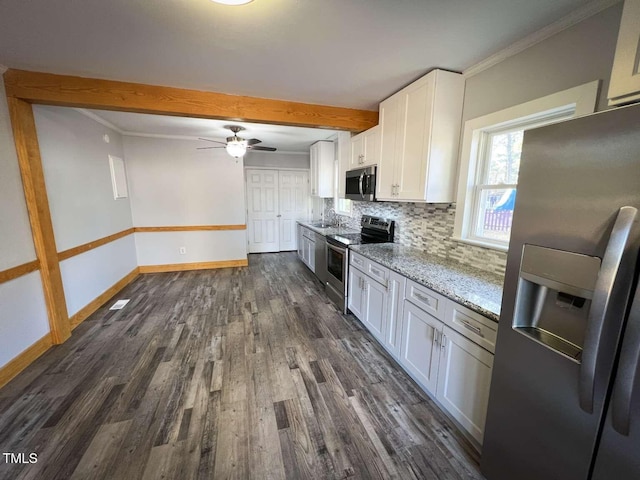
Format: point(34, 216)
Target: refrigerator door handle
point(601, 303)
point(628, 367)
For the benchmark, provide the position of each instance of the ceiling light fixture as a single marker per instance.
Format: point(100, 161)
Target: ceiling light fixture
point(236, 147)
point(232, 2)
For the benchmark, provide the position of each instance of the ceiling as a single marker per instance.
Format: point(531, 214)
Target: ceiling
point(285, 139)
point(350, 53)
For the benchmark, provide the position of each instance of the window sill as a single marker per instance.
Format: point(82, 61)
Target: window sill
point(480, 243)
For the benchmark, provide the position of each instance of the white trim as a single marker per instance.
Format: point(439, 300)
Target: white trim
point(99, 119)
point(582, 101)
point(478, 243)
point(3, 68)
point(575, 17)
point(278, 169)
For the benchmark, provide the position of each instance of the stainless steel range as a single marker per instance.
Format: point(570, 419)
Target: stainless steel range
point(374, 230)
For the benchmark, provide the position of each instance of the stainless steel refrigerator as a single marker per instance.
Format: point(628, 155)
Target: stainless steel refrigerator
point(565, 397)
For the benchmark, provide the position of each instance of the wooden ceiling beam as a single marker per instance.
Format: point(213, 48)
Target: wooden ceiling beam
point(71, 91)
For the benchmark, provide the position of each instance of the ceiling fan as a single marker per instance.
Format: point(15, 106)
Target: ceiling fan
point(236, 146)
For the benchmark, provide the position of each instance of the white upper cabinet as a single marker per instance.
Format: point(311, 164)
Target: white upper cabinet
point(343, 152)
point(322, 163)
point(365, 148)
point(420, 132)
point(624, 86)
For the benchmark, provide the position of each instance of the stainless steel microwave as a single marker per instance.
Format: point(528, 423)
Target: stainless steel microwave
point(361, 184)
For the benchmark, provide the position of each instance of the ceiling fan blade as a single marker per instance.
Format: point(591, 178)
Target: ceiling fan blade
point(253, 141)
point(207, 148)
point(214, 141)
point(266, 149)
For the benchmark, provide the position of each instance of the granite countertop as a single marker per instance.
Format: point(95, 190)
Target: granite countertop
point(327, 230)
point(476, 289)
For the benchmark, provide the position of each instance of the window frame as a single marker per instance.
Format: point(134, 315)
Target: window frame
point(553, 108)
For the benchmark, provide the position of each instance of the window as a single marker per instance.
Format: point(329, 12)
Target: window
point(490, 162)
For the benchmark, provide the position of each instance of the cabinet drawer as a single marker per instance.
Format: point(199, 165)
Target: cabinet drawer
point(428, 300)
point(472, 325)
point(358, 261)
point(377, 272)
point(310, 234)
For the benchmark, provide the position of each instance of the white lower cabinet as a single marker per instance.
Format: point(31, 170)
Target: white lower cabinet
point(395, 301)
point(307, 247)
point(368, 302)
point(420, 351)
point(444, 346)
point(464, 377)
point(355, 301)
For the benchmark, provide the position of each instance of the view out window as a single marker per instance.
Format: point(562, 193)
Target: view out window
point(490, 162)
point(495, 192)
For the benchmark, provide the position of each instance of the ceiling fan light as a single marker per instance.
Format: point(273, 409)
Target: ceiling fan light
point(237, 148)
point(232, 2)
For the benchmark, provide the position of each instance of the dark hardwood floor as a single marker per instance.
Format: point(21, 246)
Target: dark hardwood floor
point(235, 373)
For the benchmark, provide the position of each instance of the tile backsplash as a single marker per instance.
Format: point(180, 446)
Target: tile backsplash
point(428, 227)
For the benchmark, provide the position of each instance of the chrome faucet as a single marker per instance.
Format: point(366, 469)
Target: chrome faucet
point(331, 213)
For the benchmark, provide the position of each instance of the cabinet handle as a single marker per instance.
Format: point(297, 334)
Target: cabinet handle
point(443, 342)
point(419, 296)
point(473, 328)
point(436, 337)
point(377, 272)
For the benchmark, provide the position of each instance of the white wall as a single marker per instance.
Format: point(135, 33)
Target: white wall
point(23, 315)
point(172, 183)
point(277, 160)
point(577, 55)
point(75, 159)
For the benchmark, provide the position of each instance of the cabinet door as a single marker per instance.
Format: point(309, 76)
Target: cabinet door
point(357, 151)
point(375, 309)
point(371, 146)
point(419, 353)
point(355, 297)
point(343, 151)
point(389, 112)
point(624, 86)
point(311, 254)
point(325, 161)
point(313, 169)
point(464, 380)
point(395, 300)
point(299, 241)
point(415, 119)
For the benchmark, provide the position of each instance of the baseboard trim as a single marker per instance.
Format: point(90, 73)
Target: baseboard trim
point(181, 267)
point(96, 303)
point(24, 359)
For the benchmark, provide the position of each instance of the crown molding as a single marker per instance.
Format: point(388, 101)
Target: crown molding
point(126, 133)
point(99, 119)
point(565, 22)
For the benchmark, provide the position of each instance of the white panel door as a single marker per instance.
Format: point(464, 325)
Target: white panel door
point(464, 380)
point(293, 205)
point(420, 351)
point(375, 309)
point(411, 168)
point(394, 313)
point(262, 211)
point(356, 292)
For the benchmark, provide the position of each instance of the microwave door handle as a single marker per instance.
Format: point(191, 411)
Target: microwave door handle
point(360, 180)
point(603, 302)
point(627, 374)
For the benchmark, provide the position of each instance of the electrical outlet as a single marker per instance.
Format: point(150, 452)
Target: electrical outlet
point(183, 250)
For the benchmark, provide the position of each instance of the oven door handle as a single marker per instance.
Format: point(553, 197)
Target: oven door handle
point(337, 249)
